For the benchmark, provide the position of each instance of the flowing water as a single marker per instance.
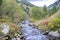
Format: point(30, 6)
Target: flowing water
point(31, 33)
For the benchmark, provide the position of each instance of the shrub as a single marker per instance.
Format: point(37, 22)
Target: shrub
point(54, 24)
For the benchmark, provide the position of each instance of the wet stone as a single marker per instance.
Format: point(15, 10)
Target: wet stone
point(31, 33)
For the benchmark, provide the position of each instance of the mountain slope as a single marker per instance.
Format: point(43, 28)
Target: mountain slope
point(25, 2)
point(46, 21)
point(57, 4)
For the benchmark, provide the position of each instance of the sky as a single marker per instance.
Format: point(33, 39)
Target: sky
point(41, 3)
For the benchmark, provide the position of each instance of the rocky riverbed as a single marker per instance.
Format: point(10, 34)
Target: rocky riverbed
point(28, 32)
point(31, 33)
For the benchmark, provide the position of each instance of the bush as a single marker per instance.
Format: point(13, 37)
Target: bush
point(13, 29)
point(54, 24)
point(11, 11)
point(0, 2)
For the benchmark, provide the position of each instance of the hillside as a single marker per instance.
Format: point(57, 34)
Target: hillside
point(25, 2)
point(10, 10)
point(46, 21)
point(21, 20)
point(57, 4)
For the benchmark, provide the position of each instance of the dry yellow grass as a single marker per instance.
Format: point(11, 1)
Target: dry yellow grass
point(15, 27)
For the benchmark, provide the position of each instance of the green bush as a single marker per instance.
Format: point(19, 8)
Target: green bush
point(0, 2)
point(36, 13)
point(1, 33)
point(54, 24)
point(10, 10)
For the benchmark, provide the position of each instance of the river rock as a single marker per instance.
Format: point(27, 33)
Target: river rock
point(5, 28)
point(13, 38)
point(18, 38)
point(31, 33)
point(36, 37)
point(54, 34)
point(0, 37)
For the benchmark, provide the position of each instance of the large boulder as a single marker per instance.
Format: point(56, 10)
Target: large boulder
point(5, 28)
point(54, 34)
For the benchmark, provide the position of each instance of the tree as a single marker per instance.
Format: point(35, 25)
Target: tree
point(36, 13)
point(0, 5)
point(45, 10)
point(54, 9)
point(0, 2)
point(54, 24)
point(12, 10)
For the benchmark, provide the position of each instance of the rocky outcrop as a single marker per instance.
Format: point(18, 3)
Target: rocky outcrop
point(5, 28)
point(10, 31)
point(54, 34)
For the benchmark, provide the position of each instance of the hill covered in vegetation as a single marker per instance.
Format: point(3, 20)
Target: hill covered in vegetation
point(14, 11)
point(10, 10)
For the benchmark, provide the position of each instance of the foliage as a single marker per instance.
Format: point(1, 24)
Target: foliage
point(45, 11)
point(1, 33)
point(13, 29)
point(12, 10)
point(53, 10)
point(54, 24)
point(0, 2)
point(43, 27)
point(36, 13)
